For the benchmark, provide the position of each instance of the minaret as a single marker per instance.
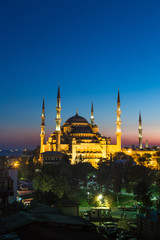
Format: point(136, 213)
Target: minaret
point(92, 115)
point(58, 121)
point(140, 131)
point(42, 135)
point(118, 122)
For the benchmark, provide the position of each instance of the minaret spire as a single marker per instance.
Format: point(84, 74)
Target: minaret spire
point(140, 131)
point(140, 120)
point(58, 97)
point(43, 113)
point(58, 121)
point(92, 115)
point(118, 122)
point(118, 98)
point(42, 135)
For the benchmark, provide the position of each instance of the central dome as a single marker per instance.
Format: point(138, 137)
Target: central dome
point(76, 119)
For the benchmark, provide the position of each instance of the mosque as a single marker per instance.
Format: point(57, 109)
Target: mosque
point(77, 138)
point(81, 140)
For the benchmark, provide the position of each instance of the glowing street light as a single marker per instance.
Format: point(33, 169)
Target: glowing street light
point(100, 197)
point(16, 164)
point(129, 150)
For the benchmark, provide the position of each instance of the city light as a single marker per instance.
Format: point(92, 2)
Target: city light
point(16, 164)
point(100, 197)
point(106, 203)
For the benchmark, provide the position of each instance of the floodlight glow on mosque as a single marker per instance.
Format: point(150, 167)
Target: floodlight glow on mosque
point(78, 138)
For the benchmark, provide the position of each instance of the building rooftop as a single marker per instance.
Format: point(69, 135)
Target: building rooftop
point(45, 222)
point(81, 129)
point(76, 119)
point(53, 152)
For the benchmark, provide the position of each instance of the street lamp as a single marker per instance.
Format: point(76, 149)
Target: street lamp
point(16, 164)
point(88, 197)
point(100, 197)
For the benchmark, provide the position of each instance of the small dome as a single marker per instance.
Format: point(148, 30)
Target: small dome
point(76, 119)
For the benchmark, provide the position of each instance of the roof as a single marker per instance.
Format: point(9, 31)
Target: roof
point(40, 214)
point(68, 203)
point(76, 119)
point(41, 230)
point(81, 129)
point(53, 153)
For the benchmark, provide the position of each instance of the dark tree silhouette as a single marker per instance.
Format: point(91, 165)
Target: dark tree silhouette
point(142, 192)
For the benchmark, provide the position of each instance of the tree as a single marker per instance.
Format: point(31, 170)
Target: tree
point(142, 192)
point(29, 163)
point(121, 156)
point(45, 183)
point(156, 157)
point(66, 172)
point(104, 175)
point(136, 173)
point(117, 180)
point(141, 161)
point(26, 169)
point(45, 197)
point(129, 179)
point(158, 183)
point(82, 170)
point(3, 162)
point(135, 156)
point(109, 199)
point(36, 152)
point(60, 186)
point(147, 156)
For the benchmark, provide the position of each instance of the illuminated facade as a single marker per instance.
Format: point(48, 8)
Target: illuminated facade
point(78, 138)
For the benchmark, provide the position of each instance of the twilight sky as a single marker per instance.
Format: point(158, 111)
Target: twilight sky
point(91, 48)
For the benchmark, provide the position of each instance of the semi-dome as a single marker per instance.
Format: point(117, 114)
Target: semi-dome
point(76, 119)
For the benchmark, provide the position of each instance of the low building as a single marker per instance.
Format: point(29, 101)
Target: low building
point(68, 207)
point(25, 191)
point(99, 213)
point(46, 223)
point(13, 174)
point(6, 188)
point(52, 157)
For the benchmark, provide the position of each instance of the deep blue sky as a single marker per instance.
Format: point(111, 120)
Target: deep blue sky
point(91, 48)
